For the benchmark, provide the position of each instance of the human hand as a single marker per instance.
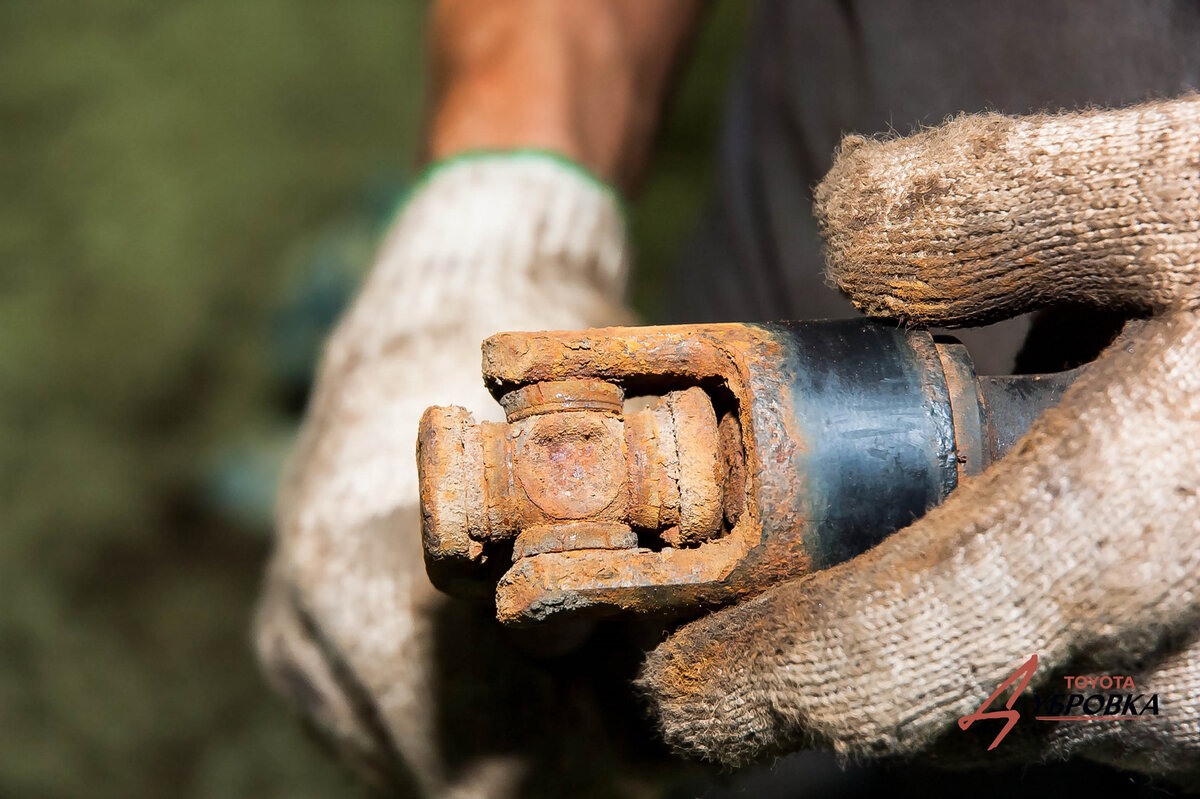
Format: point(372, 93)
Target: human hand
point(1082, 545)
point(425, 694)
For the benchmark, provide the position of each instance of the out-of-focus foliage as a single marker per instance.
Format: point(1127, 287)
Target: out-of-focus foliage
point(164, 169)
point(158, 158)
point(683, 174)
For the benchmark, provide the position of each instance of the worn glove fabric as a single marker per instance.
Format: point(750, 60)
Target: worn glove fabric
point(420, 692)
point(1082, 545)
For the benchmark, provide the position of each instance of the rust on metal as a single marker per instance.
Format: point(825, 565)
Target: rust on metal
point(966, 407)
point(653, 497)
point(766, 451)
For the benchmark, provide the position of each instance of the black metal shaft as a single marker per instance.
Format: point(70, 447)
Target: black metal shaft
point(890, 421)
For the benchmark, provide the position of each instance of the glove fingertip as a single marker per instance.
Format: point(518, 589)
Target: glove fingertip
point(888, 210)
point(701, 685)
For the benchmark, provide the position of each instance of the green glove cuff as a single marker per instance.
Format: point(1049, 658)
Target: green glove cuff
point(530, 154)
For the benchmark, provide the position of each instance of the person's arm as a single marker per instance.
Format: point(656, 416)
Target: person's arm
point(584, 78)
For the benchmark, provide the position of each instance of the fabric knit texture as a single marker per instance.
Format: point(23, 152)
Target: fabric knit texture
point(989, 215)
point(421, 693)
point(1082, 545)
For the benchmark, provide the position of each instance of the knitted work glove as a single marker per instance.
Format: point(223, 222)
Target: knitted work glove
point(1082, 546)
point(423, 693)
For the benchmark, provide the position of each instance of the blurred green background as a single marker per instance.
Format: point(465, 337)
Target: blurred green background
point(188, 192)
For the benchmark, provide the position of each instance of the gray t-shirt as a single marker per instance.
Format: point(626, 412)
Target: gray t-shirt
point(818, 69)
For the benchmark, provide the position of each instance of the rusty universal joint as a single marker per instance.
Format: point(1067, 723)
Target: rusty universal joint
point(766, 451)
point(569, 470)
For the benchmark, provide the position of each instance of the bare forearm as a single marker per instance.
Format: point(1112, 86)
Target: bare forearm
point(585, 78)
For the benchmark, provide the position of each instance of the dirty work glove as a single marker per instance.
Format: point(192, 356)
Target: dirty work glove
point(1082, 545)
point(423, 693)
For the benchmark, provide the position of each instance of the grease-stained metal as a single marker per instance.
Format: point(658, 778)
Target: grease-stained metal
point(768, 450)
